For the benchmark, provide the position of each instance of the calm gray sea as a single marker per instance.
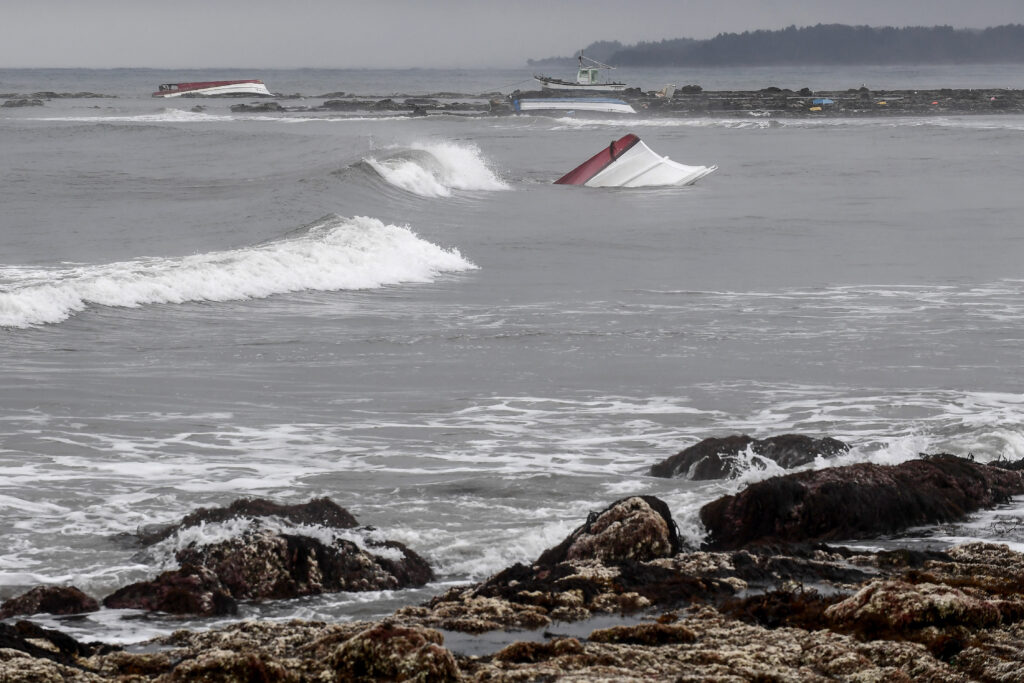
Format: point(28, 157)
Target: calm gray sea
point(406, 316)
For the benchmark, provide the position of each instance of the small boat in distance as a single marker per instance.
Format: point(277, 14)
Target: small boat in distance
point(213, 89)
point(570, 105)
point(628, 162)
point(587, 79)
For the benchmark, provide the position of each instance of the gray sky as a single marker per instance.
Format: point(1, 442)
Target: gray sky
point(408, 33)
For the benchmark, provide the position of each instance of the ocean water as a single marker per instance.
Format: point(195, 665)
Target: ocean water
point(405, 315)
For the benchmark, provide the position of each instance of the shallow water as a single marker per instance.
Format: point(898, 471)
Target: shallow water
point(406, 316)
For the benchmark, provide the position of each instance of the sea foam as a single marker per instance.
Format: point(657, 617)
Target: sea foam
point(335, 253)
point(436, 169)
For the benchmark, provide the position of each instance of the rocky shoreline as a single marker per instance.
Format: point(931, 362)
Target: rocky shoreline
point(621, 598)
point(687, 101)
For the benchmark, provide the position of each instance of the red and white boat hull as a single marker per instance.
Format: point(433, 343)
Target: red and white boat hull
point(213, 89)
point(628, 162)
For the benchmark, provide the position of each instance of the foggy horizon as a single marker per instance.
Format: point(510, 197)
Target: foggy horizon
point(401, 34)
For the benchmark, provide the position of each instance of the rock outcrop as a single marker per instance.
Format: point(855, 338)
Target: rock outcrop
point(49, 599)
point(858, 501)
point(264, 563)
point(22, 102)
point(319, 512)
point(638, 528)
point(894, 616)
point(189, 590)
point(717, 458)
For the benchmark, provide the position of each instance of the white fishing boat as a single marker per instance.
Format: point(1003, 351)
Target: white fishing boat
point(213, 89)
point(570, 105)
point(628, 162)
point(587, 79)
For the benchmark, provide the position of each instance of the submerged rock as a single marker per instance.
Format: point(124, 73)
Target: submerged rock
point(49, 599)
point(857, 501)
point(23, 102)
point(717, 458)
point(259, 107)
point(317, 512)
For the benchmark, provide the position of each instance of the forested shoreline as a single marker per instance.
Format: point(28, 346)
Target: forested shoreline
point(820, 44)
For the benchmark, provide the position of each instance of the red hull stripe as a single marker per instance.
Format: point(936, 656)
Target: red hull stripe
point(600, 161)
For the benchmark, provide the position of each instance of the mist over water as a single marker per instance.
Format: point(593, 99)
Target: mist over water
point(405, 315)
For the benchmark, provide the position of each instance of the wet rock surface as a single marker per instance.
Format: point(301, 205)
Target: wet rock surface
point(23, 102)
point(266, 563)
point(952, 616)
point(638, 528)
point(858, 501)
point(718, 458)
point(189, 590)
point(259, 107)
point(779, 611)
point(319, 511)
point(49, 599)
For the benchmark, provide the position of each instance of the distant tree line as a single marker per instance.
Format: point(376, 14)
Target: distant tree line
point(822, 44)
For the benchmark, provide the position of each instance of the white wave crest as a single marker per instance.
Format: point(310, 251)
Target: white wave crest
point(334, 254)
point(438, 169)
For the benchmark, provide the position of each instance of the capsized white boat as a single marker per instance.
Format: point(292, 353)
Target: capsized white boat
point(587, 79)
point(628, 162)
point(565, 105)
point(213, 88)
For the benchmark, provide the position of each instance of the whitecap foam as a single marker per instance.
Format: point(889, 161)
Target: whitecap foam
point(368, 539)
point(334, 254)
point(436, 169)
point(166, 115)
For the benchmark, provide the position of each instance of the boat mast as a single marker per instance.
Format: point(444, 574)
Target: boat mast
point(593, 63)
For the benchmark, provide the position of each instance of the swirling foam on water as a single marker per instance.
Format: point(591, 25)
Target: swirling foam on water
point(436, 169)
point(334, 254)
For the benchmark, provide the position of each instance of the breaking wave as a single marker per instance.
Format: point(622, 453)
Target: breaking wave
point(436, 169)
point(335, 253)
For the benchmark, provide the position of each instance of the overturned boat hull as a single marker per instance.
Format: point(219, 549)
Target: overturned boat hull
point(567, 105)
point(213, 89)
point(628, 162)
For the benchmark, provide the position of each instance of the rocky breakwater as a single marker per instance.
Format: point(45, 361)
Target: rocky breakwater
point(743, 610)
point(772, 101)
point(862, 101)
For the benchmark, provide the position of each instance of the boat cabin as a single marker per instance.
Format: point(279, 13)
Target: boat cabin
point(587, 76)
point(168, 87)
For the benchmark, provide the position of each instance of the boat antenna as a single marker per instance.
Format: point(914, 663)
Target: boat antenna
point(599, 65)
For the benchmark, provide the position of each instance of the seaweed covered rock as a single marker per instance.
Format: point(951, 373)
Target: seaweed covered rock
point(49, 599)
point(717, 458)
point(189, 590)
point(638, 529)
point(857, 501)
point(319, 512)
point(264, 565)
point(261, 564)
point(890, 605)
point(273, 557)
point(395, 653)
